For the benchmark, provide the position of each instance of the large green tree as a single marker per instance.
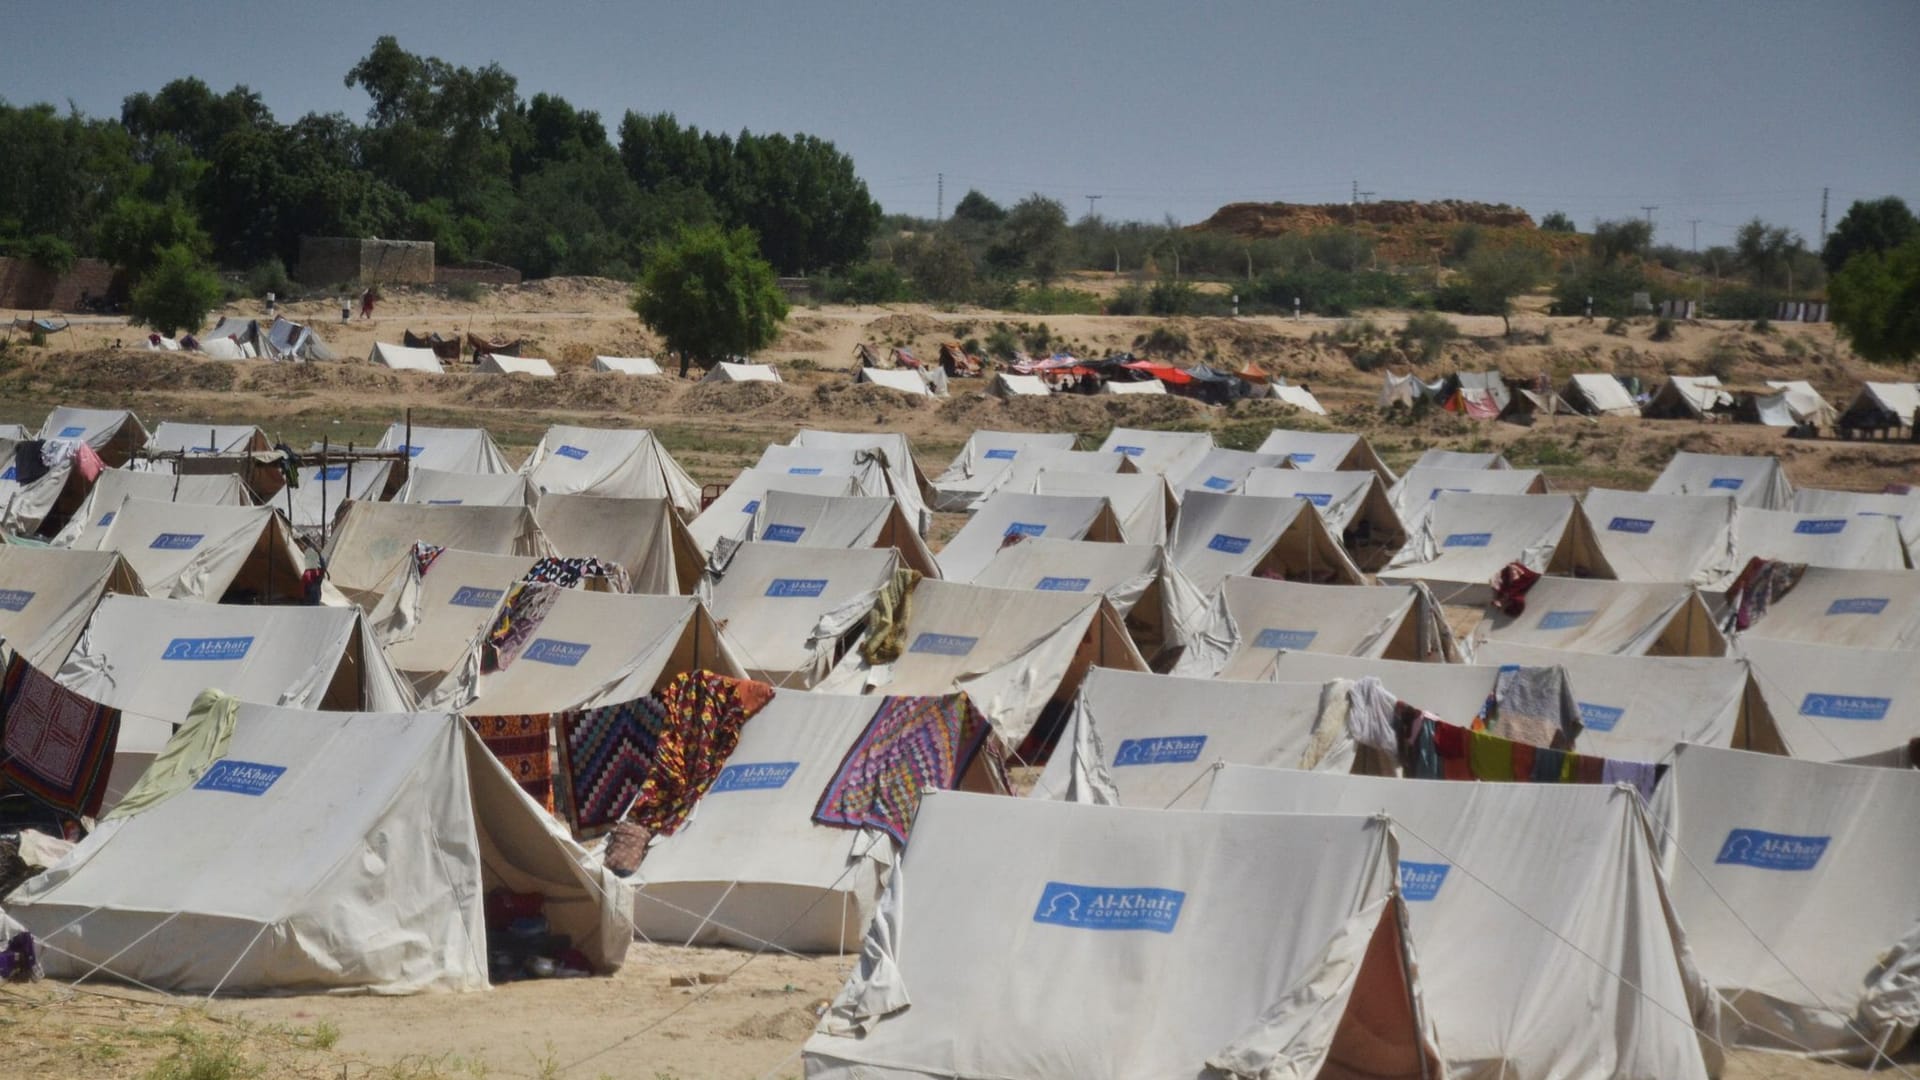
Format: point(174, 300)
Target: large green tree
point(710, 295)
point(177, 292)
point(1494, 276)
point(1877, 225)
point(1876, 303)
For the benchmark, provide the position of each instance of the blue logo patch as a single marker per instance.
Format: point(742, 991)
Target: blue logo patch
point(470, 596)
point(1467, 540)
point(1098, 907)
point(784, 534)
point(1000, 454)
point(1845, 707)
point(943, 644)
point(12, 473)
point(71, 432)
point(177, 541)
point(445, 502)
point(1272, 638)
point(1435, 493)
point(1217, 483)
point(15, 599)
point(797, 587)
point(573, 452)
point(1232, 545)
point(414, 451)
point(1164, 750)
point(1317, 498)
point(757, 776)
point(1599, 717)
point(1858, 605)
point(106, 519)
point(1063, 584)
point(1565, 620)
point(1820, 526)
point(1300, 459)
point(753, 506)
point(802, 471)
point(1630, 525)
point(207, 648)
point(331, 473)
point(1130, 451)
point(1024, 528)
point(239, 777)
point(1771, 851)
point(1422, 880)
point(1726, 483)
point(556, 652)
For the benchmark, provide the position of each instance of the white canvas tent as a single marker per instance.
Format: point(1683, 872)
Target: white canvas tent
point(1832, 702)
point(1665, 537)
point(208, 553)
point(643, 536)
point(730, 515)
point(627, 365)
point(1170, 453)
point(1225, 470)
point(47, 595)
point(289, 340)
point(375, 540)
point(1143, 386)
point(1143, 503)
point(1758, 482)
point(1222, 535)
point(403, 358)
point(1805, 403)
point(1010, 517)
point(1860, 609)
point(1599, 394)
point(1354, 505)
point(320, 852)
point(1455, 693)
point(436, 487)
point(786, 612)
point(1460, 460)
point(1903, 509)
point(909, 484)
point(114, 434)
point(1326, 451)
point(1413, 497)
point(230, 339)
point(1159, 929)
point(1801, 896)
point(1688, 396)
point(1162, 609)
point(903, 380)
point(428, 622)
point(615, 463)
point(502, 364)
point(1831, 540)
point(1883, 406)
point(1252, 620)
point(113, 486)
point(1617, 617)
point(324, 489)
point(24, 508)
point(1299, 397)
point(821, 521)
point(15, 432)
point(1467, 539)
point(468, 450)
point(174, 436)
point(725, 372)
point(1623, 998)
point(985, 463)
point(1147, 740)
point(1005, 384)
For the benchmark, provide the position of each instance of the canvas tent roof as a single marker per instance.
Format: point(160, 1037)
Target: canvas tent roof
point(1225, 470)
point(265, 873)
point(15, 432)
point(207, 553)
point(1839, 541)
point(644, 536)
point(1010, 516)
point(786, 612)
point(1831, 702)
point(1143, 503)
point(821, 521)
point(903, 472)
point(47, 595)
point(1413, 497)
point(1861, 609)
point(1169, 453)
point(1618, 617)
point(726, 372)
point(1326, 451)
point(324, 489)
point(435, 487)
point(904, 380)
point(1688, 396)
point(289, 340)
point(1219, 535)
point(985, 463)
point(1599, 394)
point(627, 365)
point(1455, 693)
point(113, 486)
point(1903, 509)
point(1623, 1000)
point(428, 622)
point(1807, 405)
point(374, 540)
point(1201, 920)
point(24, 508)
point(114, 434)
point(622, 464)
point(731, 514)
point(1253, 620)
point(1436, 458)
point(402, 358)
point(502, 364)
point(1354, 505)
point(1006, 384)
point(189, 438)
point(1758, 482)
point(1664, 537)
point(1890, 404)
point(1162, 609)
point(1136, 739)
point(469, 450)
point(1466, 539)
point(1637, 708)
point(1299, 397)
point(1801, 897)
point(1143, 386)
point(1009, 650)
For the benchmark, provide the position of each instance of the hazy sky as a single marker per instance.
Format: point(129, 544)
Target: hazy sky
point(1711, 111)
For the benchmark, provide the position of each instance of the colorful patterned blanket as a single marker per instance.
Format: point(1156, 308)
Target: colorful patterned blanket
point(55, 745)
point(702, 716)
point(605, 756)
point(521, 744)
point(912, 744)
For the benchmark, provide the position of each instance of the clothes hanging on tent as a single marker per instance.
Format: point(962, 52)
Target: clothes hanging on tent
point(701, 714)
point(911, 744)
point(423, 556)
point(605, 755)
point(29, 464)
point(521, 613)
point(1533, 705)
point(1510, 587)
point(88, 463)
point(1760, 583)
point(886, 635)
point(55, 745)
point(520, 742)
point(569, 573)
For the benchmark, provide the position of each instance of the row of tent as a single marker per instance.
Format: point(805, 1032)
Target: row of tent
point(1781, 403)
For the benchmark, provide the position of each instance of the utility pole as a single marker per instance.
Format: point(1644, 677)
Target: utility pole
point(1091, 199)
point(1355, 199)
point(940, 197)
point(1695, 222)
point(1823, 215)
point(1649, 210)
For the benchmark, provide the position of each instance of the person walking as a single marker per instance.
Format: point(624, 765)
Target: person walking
point(366, 302)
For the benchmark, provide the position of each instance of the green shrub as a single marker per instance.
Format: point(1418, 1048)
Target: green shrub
point(466, 292)
point(1002, 341)
point(1663, 330)
point(1612, 288)
point(1425, 335)
point(870, 282)
point(1356, 332)
point(1172, 298)
point(1720, 360)
point(1162, 341)
point(269, 277)
point(1055, 300)
point(1130, 300)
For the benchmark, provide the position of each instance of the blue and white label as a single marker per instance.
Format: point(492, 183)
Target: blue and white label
point(573, 452)
point(1232, 545)
point(1599, 717)
point(1435, 493)
point(239, 777)
point(330, 473)
point(12, 473)
point(799, 470)
point(15, 599)
point(752, 507)
point(106, 519)
point(1422, 880)
point(1275, 638)
point(1217, 483)
point(1858, 605)
point(446, 502)
point(1026, 528)
point(943, 644)
point(1162, 750)
point(793, 587)
point(1820, 526)
point(1630, 525)
point(207, 648)
point(784, 534)
point(1000, 453)
point(556, 652)
point(1845, 707)
point(1299, 459)
point(1317, 498)
point(1565, 620)
point(475, 597)
point(1101, 907)
point(414, 451)
point(1465, 540)
point(1063, 584)
point(1771, 850)
point(1726, 483)
point(754, 776)
point(1131, 451)
point(177, 541)
point(71, 432)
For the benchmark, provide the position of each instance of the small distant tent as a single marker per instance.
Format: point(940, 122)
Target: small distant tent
point(1833, 702)
point(288, 340)
point(725, 372)
point(1881, 407)
point(787, 613)
point(904, 380)
point(469, 450)
point(1830, 540)
point(428, 621)
point(1805, 403)
point(232, 339)
point(1903, 509)
point(1224, 470)
point(1324, 451)
point(214, 554)
point(627, 365)
point(1144, 386)
point(1599, 395)
point(47, 596)
point(1414, 495)
point(402, 358)
point(730, 515)
point(1467, 539)
point(909, 484)
point(1460, 460)
point(114, 434)
point(643, 536)
point(1006, 385)
point(985, 463)
point(1665, 537)
point(1172, 454)
point(1252, 620)
point(1861, 609)
point(1801, 896)
point(502, 364)
point(618, 463)
point(1161, 608)
point(1354, 505)
point(830, 521)
point(1299, 397)
point(436, 487)
point(114, 486)
point(319, 851)
point(1689, 397)
point(1143, 502)
point(1221, 535)
point(173, 436)
point(1010, 517)
point(1620, 618)
point(376, 539)
point(1111, 904)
